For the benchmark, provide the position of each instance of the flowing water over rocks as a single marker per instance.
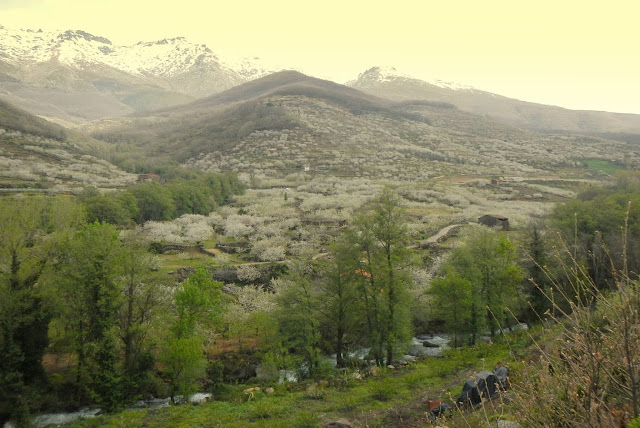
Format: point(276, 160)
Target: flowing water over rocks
point(63, 418)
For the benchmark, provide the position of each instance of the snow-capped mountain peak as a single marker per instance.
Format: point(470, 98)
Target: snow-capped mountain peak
point(77, 48)
point(79, 34)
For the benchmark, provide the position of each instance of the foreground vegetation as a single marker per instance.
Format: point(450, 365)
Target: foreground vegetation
point(390, 397)
point(88, 315)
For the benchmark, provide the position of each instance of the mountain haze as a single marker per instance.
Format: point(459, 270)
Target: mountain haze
point(388, 83)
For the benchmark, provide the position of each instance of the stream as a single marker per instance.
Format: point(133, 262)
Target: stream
point(63, 418)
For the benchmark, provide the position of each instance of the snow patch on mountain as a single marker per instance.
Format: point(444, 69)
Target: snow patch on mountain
point(385, 74)
point(248, 67)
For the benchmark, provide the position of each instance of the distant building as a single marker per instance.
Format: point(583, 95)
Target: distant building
point(148, 177)
point(497, 181)
point(494, 221)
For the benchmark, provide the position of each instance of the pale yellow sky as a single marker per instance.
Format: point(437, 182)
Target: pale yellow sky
point(576, 54)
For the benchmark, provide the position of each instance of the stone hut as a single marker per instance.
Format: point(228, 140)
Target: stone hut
point(494, 221)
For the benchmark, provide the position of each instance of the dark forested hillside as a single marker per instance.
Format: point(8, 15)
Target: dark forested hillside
point(15, 119)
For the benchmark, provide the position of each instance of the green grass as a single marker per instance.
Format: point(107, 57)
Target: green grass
point(171, 262)
point(399, 393)
point(602, 165)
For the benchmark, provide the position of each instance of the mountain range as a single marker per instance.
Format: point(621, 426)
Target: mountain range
point(72, 77)
point(174, 101)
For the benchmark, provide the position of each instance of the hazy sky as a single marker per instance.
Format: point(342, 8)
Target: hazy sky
point(576, 54)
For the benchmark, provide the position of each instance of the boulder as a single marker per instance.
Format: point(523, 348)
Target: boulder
point(199, 398)
point(502, 373)
point(436, 341)
point(418, 351)
point(269, 390)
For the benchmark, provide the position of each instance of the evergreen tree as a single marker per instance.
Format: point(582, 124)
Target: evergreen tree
point(339, 306)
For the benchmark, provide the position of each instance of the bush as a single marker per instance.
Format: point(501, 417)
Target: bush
point(347, 402)
point(382, 389)
point(305, 419)
point(265, 408)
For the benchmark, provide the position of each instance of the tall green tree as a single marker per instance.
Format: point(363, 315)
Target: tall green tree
point(154, 202)
point(107, 208)
point(143, 295)
point(190, 199)
point(488, 260)
point(199, 305)
point(91, 288)
point(453, 303)
point(298, 316)
point(339, 302)
point(31, 232)
point(538, 284)
point(381, 234)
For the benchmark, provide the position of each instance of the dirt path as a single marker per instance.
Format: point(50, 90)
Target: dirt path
point(443, 232)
